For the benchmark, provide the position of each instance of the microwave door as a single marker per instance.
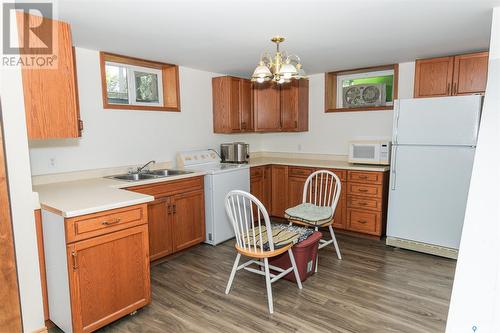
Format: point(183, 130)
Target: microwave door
point(365, 153)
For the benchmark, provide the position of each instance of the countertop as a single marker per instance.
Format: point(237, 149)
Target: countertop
point(86, 196)
point(333, 164)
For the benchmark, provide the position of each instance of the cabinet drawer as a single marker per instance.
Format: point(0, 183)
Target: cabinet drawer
point(363, 221)
point(300, 171)
point(256, 172)
point(91, 225)
point(365, 177)
point(170, 187)
point(364, 190)
point(364, 203)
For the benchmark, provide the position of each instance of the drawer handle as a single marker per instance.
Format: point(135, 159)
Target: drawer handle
point(362, 203)
point(362, 190)
point(362, 221)
point(110, 222)
point(363, 177)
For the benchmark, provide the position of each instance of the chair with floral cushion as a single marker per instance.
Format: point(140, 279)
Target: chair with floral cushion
point(319, 201)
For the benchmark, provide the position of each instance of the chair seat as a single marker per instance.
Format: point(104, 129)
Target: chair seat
point(310, 214)
point(282, 236)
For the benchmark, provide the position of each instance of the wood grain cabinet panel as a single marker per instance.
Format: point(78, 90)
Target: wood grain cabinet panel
point(450, 76)
point(267, 187)
point(176, 218)
point(470, 73)
point(267, 112)
point(232, 105)
point(294, 104)
point(279, 184)
point(109, 277)
point(260, 185)
point(188, 219)
point(50, 94)
point(159, 228)
point(363, 221)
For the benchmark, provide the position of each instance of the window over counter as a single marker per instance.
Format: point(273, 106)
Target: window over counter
point(136, 84)
point(363, 89)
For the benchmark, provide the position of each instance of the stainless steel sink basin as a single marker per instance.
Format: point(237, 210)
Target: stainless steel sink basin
point(163, 173)
point(133, 177)
point(168, 172)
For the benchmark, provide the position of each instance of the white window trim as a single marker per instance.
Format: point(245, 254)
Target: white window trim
point(341, 78)
point(131, 83)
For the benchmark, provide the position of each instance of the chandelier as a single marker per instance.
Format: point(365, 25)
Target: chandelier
point(281, 68)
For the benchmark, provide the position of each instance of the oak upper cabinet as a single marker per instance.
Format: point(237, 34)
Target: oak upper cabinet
point(176, 218)
point(266, 107)
point(449, 76)
point(232, 105)
point(294, 105)
point(50, 92)
point(470, 73)
point(281, 108)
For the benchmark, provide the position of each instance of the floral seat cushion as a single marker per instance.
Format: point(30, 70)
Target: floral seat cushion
point(283, 235)
point(310, 214)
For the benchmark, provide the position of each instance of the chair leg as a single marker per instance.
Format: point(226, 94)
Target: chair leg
point(295, 270)
point(335, 242)
point(317, 256)
point(233, 272)
point(268, 286)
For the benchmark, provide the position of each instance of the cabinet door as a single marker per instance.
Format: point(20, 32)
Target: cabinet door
point(267, 188)
point(433, 77)
point(50, 96)
point(279, 181)
point(188, 219)
point(234, 108)
point(266, 107)
point(339, 221)
point(289, 98)
point(295, 190)
point(160, 228)
point(470, 73)
point(246, 105)
point(257, 186)
point(109, 277)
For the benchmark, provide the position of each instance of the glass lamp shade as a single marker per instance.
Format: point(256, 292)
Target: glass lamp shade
point(261, 71)
point(301, 73)
point(288, 70)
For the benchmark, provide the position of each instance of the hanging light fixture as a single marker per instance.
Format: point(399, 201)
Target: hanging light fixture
point(281, 68)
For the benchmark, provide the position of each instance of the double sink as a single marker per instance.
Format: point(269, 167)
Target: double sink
point(154, 174)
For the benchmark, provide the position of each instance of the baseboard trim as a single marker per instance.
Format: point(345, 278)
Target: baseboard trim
point(42, 330)
point(422, 247)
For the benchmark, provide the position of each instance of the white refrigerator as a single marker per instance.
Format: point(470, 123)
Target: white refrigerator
point(434, 141)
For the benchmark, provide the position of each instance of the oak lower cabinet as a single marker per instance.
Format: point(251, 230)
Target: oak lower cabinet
point(176, 218)
point(97, 266)
point(260, 185)
point(451, 76)
point(51, 93)
point(279, 190)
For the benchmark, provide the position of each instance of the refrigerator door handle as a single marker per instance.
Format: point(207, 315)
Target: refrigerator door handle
point(393, 167)
point(396, 122)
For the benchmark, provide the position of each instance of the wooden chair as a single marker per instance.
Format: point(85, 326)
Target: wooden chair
point(251, 243)
point(322, 188)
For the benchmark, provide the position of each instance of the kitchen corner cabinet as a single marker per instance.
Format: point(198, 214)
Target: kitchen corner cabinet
point(176, 218)
point(362, 205)
point(240, 106)
point(232, 105)
point(51, 94)
point(451, 76)
point(281, 108)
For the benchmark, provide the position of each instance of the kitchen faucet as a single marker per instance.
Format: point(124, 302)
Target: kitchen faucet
point(139, 170)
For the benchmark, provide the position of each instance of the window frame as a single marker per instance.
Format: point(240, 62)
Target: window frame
point(168, 83)
point(333, 88)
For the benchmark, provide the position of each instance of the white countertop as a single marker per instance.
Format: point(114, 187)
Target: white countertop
point(317, 163)
point(86, 196)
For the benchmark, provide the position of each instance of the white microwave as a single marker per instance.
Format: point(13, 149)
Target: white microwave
point(370, 152)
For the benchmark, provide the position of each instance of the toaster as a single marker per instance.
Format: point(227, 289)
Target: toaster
point(236, 152)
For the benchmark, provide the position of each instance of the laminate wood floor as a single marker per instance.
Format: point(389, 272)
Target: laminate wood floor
point(375, 288)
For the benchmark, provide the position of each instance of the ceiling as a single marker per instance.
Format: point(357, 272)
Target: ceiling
point(229, 36)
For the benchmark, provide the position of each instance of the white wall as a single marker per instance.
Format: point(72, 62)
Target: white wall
point(329, 133)
point(21, 198)
point(116, 138)
point(475, 298)
point(119, 137)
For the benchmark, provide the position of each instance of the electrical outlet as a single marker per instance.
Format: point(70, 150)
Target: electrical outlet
point(52, 162)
